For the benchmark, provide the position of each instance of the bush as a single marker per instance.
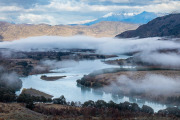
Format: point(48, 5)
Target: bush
point(30, 105)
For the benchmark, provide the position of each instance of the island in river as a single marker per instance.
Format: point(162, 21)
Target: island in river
point(51, 78)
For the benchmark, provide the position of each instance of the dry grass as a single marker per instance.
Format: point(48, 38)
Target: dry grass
point(14, 111)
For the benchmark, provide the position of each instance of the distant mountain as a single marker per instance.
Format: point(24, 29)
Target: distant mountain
point(108, 17)
point(10, 31)
point(141, 18)
point(168, 25)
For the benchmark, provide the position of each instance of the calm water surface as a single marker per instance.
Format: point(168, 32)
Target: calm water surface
point(68, 87)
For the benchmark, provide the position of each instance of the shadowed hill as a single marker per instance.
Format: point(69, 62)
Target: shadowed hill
point(168, 25)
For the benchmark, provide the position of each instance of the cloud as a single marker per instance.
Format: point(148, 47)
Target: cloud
point(10, 9)
point(70, 11)
point(32, 18)
point(53, 64)
point(22, 3)
point(167, 7)
point(103, 45)
point(148, 48)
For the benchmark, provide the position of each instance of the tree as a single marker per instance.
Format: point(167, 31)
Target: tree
point(89, 103)
point(111, 104)
point(101, 104)
point(72, 103)
point(61, 100)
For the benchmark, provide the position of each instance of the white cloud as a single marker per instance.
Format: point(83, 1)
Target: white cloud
point(83, 22)
point(65, 6)
point(167, 7)
point(71, 11)
point(164, 6)
point(3, 18)
point(10, 8)
point(114, 1)
point(36, 19)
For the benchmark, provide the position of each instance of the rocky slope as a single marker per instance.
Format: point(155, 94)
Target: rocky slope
point(103, 29)
point(168, 25)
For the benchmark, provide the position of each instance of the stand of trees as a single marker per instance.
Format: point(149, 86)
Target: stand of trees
point(7, 95)
point(29, 100)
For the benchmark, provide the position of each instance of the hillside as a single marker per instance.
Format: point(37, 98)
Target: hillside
point(168, 25)
point(42, 111)
point(10, 32)
point(15, 111)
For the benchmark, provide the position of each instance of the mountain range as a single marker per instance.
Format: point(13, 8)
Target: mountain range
point(141, 18)
point(10, 31)
point(168, 25)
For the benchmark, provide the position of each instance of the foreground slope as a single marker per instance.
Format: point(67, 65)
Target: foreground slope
point(17, 111)
point(103, 29)
point(162, 26)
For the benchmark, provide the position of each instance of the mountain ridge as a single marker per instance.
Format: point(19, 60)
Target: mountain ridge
point(9, 32)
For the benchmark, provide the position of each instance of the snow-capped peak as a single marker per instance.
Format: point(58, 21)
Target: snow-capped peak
point(129, 14)
point(108, 15)
point(119, 14)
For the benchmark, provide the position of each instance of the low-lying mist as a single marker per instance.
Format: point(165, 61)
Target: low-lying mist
point(150, 84)
point(9, 79)
point(102, 45)
point(54, 64)
point(148, 47)
point(163, 59)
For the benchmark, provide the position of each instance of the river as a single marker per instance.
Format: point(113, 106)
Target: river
point(68, 87)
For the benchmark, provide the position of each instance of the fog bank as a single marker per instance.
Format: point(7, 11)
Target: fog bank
point(148, 47)
point(102, 45)
point(152, 84)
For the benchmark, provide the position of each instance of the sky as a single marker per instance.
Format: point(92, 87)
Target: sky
point(56, 12)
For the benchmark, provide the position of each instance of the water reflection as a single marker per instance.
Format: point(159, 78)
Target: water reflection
point(120, 96)
point(83, 88)
point(132, 99)
point(97, 92)
point(141, 101)
point(115, 97)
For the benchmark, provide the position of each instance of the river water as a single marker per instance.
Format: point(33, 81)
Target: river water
point(68, 87)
